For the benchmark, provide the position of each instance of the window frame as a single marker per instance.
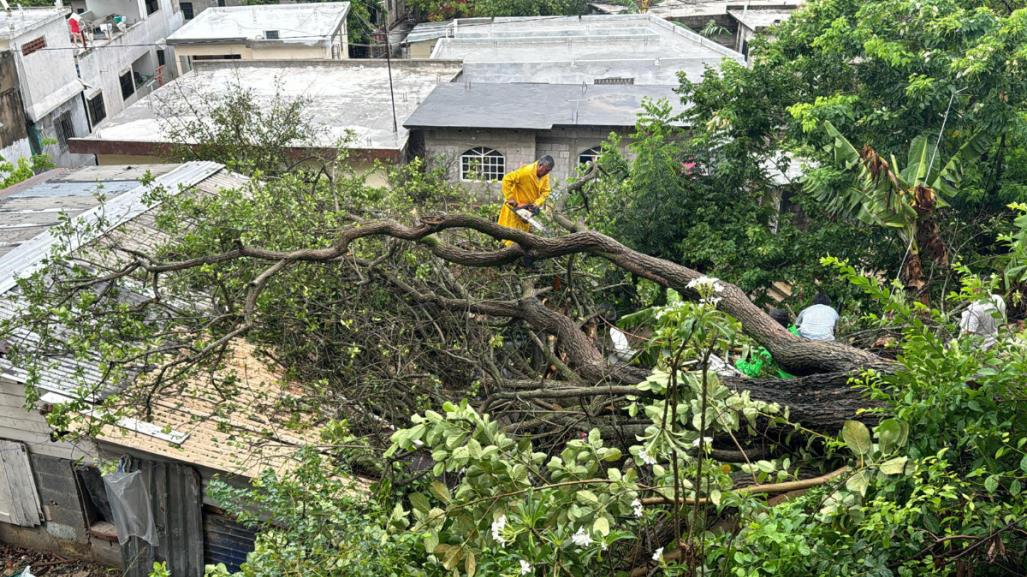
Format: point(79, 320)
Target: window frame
point(187, 14)
point(131, 82)
point(64, 128)
point(91, 108)
point(493, 171)
point(592, 154)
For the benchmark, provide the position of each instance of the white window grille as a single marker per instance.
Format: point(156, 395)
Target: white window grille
point(589, 155)
point(482, 163)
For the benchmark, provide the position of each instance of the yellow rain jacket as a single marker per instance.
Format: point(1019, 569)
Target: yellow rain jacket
point(523, 186)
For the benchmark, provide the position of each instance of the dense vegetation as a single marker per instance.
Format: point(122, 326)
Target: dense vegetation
point(477, 398)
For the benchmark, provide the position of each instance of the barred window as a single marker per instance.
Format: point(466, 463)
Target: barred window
point(128, 88)
point(589, 155)
point(481, 163)
point(97, 111)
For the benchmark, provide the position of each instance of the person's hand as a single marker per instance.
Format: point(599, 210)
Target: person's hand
point(512, 204)
point(532, 208)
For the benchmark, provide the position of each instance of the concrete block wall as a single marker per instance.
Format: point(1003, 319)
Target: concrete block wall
point(565, 145)
point(58, 493)
point(445, 146)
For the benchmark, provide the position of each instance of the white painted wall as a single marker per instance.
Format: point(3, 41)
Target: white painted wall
point(16, 150)
point(47, 77)
point(102, 66)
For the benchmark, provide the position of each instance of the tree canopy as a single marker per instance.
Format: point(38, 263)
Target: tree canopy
point(503, 428)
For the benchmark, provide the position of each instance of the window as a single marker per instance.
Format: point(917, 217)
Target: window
point(64, 129)
point(270, 35)
point(160, 58)
point(128, 88)
point(152, 6)
point(97, 111)
point(589, 155)
point(480, 163)
point(33, 46)
point(221, 3)
point(187, 10)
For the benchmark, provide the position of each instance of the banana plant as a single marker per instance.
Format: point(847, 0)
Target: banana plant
point(881, 193)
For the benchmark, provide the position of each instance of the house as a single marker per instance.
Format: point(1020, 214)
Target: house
point(726, 28)
point(549, 85)
point(755, 20)
point(120, 57)
point(51, 492)
point(569, 49)
point(350, 102)
point(264, 32)
point(42, 73)
point(482, 131)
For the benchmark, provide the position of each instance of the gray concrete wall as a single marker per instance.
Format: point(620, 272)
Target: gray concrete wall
point(518, 146)
point(444, 146)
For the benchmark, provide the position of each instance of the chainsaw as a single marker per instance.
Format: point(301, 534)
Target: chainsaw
point(529, 217)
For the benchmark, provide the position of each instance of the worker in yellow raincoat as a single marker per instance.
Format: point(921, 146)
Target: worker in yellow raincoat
point(527, 187)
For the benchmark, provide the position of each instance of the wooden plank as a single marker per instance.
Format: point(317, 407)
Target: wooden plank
point(39, 444)
point(26, 510)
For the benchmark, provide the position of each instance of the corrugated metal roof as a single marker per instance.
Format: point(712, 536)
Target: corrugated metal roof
point(63, 375)
point(28, 256)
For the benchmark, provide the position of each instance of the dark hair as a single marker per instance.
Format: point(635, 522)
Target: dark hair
point(781, 316)
point(822, 299)
point(547, 161)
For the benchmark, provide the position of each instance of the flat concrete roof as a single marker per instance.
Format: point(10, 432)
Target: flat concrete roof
point(294, 23)
point(535, 106)
point(343, 97)
point(656, 72)
point(19, 21)
point(759, 18)
point(576, 38)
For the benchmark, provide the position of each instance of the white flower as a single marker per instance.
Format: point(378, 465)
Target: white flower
point(636, 506)
point(658, 554)
point(581, 538)
point(705, 282)
point(525, 567)
point(646, 459)
point(497, 529)
point(602, 546)
point(707, 441)
point(418, 443)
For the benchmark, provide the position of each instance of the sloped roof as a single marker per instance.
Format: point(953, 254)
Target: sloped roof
point(33, 207)
point(535, 106)
point(257, 426)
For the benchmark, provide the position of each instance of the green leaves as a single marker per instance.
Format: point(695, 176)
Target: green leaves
point(857, 438)
point(892, 435)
